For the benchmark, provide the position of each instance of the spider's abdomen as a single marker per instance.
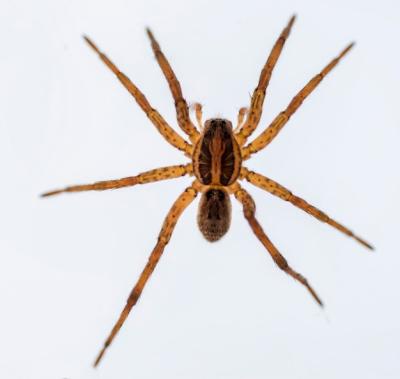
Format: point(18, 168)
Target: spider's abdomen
point(214, 217)
point(217, 158)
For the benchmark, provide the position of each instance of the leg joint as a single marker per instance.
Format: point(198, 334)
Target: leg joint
point(281, 262)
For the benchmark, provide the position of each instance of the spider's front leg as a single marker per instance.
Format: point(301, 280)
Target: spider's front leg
point(182, 109)
point(257, 99)
point(163, 238)
point(249, 209)
point(266, 137)
point(154, 116)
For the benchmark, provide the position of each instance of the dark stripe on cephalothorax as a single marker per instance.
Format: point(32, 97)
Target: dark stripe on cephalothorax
point(227, 162)
point(205, 161)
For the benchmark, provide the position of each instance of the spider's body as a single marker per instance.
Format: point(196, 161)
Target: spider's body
point(217, 152)
point(216, 164)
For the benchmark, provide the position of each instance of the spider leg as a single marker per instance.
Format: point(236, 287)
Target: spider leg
point(158, 121)
point(278, 190)
point(242, 112)
point(182, 110)
point(198, 109)
point(257, 100)
point(277, 124)
point(163, 173)
point(249, 209)
point(165, 234)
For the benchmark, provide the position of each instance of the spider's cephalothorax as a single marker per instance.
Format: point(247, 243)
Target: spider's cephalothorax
point(216, 157)
point(216, 152)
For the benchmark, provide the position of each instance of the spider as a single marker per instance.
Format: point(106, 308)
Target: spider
point(217, 152)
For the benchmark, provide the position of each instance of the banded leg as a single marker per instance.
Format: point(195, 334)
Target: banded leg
point(158, 121)
point(163, 173)
point(278, 190)
point(257, 100)
point(182, 110)
point(278, 123)
point(249, 209)
point(166, 231)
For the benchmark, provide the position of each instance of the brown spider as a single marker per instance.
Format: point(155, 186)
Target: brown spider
point(216, 152)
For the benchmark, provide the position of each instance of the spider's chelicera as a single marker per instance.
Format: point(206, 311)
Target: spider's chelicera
point(217, 151)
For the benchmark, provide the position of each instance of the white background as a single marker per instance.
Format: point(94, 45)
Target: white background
point(220, 310)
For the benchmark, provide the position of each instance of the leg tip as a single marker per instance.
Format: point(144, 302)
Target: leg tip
point(51, 193)
point(90, 43)
point(365, 243)
point(150, 34)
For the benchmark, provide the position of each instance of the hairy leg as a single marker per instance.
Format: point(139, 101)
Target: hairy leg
point(163, 173)
point(166, 231)
point(249, 209)
point(257, 100)
point(158, 121)
point(182, 110)
point(278, 190)
point(278, 123)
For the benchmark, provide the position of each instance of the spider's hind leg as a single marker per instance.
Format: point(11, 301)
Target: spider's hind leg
point(249, 209)
point(163, 238)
